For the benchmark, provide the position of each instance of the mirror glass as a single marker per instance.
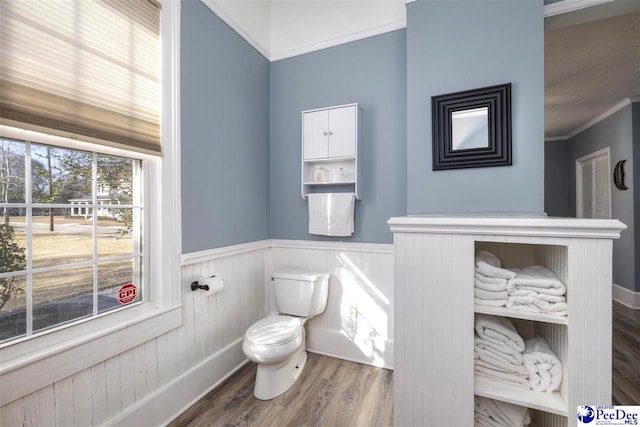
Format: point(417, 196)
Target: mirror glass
point(470, 129)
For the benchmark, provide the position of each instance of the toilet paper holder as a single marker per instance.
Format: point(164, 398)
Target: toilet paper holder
point(210, 285)
point(196, 285)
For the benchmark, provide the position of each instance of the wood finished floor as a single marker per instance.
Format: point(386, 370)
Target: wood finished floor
point(626, 355)
point(329, 392)
point(333, 392)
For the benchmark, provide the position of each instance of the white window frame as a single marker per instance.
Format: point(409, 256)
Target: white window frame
point(579, 189)
point(28, 365)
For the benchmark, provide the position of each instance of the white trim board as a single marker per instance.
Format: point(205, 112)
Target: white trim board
point(627, 297)
point(570, 6)
point(178, 395)
point(337, 41)
point(605, 115)
point(610, 112)
point(211, 254)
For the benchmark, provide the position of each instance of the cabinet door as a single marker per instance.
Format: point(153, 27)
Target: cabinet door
point(342, 132)
point(315, 135)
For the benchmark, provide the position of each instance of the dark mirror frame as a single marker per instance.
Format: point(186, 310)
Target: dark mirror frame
point(498, 153)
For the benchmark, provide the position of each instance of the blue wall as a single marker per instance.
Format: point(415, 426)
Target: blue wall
point(225, 134)
point(454, 46)
point(634, 180)
point(557, 157)
point(371, 72)
point(615, 132)
point(241, 120)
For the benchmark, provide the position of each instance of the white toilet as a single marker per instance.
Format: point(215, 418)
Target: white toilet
point(277, 342)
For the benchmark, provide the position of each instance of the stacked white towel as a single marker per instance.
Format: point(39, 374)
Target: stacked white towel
point(535, 289)
point(490, 413)
point(501, 355)
point(498, 351)
point(543, 366)
point(490, 281)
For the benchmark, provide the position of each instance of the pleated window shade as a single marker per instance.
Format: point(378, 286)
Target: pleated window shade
point(85, 69)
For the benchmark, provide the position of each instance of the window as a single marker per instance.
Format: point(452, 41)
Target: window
point(71, 223)
point(593, 185)
point(29, 364)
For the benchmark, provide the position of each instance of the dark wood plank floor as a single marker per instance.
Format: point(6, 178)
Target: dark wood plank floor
point(329, 392)
point(333, 392)
point(626, 355)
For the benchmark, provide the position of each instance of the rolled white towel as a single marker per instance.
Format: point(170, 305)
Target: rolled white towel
point(484, 294)
point(502, 377)
point(488, 286)
point(506, 353)
point(542, 364)
point(526, 294)
point(503, 413)
point(536, 306)
point(491, 302)
point(491, 280)
point(538, 279)
point(490, 265)
point(488, 257)
point(489, 361)
point(498, 330)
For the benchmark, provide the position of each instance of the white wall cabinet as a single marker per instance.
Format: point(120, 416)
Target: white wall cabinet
point(330, 147)
point(434, 380)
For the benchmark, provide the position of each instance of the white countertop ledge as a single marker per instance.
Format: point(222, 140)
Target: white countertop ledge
point(513, 225)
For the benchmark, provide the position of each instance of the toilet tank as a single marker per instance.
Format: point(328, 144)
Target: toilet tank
point(301, 293)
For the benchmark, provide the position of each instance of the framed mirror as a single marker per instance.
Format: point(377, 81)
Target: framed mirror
point(472, 128)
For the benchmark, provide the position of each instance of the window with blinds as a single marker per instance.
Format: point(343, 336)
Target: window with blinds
point(87, 70)
point(593, 185)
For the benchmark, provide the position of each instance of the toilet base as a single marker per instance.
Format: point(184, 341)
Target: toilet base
point(274, 379)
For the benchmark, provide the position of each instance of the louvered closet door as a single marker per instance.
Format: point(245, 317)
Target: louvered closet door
point(593, 186)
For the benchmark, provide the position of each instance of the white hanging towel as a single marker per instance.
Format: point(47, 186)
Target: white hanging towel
point(331, 214)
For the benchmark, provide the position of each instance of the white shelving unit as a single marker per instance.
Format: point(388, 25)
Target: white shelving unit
point(434, 380)
point(330, 148)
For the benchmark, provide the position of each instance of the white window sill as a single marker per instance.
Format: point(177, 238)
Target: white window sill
point(40, 361)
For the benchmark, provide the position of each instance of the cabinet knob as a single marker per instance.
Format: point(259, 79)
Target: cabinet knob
point(325, 133)
point(330, 133)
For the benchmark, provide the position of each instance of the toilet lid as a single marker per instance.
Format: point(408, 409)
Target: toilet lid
point(275, 330)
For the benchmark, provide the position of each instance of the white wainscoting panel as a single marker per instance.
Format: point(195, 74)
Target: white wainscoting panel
point(357, 324)
point(156, 380)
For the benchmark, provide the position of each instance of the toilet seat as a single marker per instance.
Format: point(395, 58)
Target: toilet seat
point(274, 338)
point(276, 329)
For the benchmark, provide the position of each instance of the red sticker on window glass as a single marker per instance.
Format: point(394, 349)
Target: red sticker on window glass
point(127, 293)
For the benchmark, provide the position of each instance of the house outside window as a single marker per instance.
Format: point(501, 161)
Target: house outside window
point(65, 258)
point(90, 340)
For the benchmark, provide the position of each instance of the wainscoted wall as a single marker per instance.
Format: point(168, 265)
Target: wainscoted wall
point(154, 382)
point(357, 324)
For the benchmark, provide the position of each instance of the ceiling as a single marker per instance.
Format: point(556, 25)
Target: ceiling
point(592, 65)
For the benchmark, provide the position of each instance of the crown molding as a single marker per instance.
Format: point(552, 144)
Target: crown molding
point(566, 6)
point(610, 112)
point(336, 41)
point(222, 14)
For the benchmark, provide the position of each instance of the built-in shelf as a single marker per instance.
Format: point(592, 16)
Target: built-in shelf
point(547, 402)
point(435, 316)
point(505, 312)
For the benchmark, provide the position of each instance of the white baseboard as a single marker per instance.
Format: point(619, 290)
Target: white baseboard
point(627, 297)
point(175, 397)
point(339, 345)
